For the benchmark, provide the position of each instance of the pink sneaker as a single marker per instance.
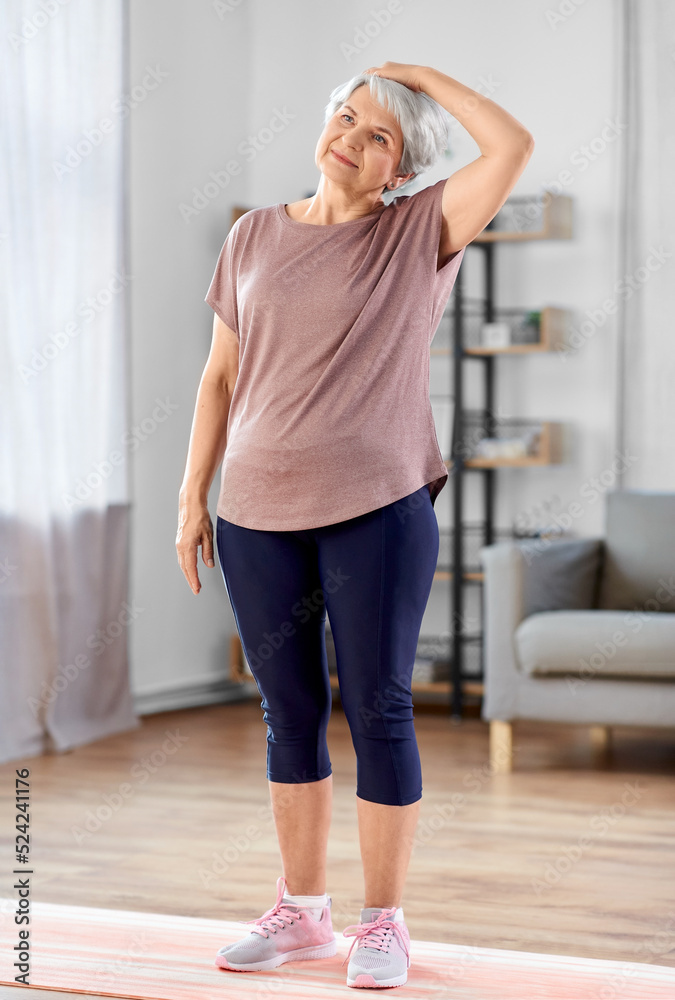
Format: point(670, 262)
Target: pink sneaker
point(383, 954)
point(286, 933)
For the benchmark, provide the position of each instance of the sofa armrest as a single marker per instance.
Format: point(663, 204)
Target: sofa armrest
point(522, 578)
point(503, 610)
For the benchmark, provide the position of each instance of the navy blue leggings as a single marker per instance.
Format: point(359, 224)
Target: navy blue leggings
point(373, 575)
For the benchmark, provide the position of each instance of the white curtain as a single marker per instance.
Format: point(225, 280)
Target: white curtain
point(646, 315)
point(64, 608)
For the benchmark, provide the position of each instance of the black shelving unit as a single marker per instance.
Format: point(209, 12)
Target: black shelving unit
point(459, 635)
point(553, 215)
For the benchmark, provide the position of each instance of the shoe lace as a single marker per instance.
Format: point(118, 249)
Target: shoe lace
point(279, 915)
point(377, 933)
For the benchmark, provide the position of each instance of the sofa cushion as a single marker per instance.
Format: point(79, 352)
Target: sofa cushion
point(560, 575)
point(639, 556)
point(597, 644)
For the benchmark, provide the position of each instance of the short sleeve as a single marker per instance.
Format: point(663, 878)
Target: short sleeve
point(426, 207)
point(222, 293)
point(431, 205)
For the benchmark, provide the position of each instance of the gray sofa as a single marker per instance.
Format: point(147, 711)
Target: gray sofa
point(583, 630)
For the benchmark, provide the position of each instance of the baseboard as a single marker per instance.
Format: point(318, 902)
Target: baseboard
point(193, 694)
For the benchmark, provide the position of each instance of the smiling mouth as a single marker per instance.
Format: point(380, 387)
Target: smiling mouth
point(342, 159)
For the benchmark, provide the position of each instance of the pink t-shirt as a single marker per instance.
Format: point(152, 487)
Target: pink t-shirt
point(330, 416)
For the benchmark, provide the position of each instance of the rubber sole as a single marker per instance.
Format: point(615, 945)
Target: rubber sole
point(297, 955)
point(365, 980)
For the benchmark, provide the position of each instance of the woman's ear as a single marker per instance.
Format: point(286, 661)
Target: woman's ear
point(401, 178)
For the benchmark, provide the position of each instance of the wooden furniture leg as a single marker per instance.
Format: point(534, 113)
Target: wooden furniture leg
point(501, 747)
point(601, 738)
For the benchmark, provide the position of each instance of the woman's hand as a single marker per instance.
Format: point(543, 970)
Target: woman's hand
point(409, 76)
point(194, 529)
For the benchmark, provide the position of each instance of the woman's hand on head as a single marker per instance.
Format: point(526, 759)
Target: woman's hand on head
point(403, 73)
point(194, 529)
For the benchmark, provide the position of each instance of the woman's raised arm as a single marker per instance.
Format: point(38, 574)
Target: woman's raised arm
point(473, 195)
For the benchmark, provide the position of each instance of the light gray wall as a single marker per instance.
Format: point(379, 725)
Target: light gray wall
point(188, 127)
point(228, 75)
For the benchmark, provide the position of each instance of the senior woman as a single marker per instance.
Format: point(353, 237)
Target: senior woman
point(318, 383)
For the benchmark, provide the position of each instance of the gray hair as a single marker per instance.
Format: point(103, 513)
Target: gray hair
point(423, 122)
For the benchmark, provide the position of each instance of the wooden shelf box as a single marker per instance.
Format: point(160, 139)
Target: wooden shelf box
point(535, 217)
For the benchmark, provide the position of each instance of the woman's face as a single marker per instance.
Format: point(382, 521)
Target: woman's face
point(365, 134)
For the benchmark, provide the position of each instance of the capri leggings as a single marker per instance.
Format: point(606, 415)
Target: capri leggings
point(372, 574)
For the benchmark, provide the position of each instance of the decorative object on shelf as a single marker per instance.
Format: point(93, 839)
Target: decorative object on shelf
point(489, 438)
point(541, 216)
point(495, 334)
point(520, 214)
point(527, 330)
point(487, 441)
point(508, 448)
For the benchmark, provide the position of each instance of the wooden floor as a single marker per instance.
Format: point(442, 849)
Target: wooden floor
point(570, 854)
